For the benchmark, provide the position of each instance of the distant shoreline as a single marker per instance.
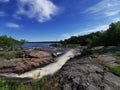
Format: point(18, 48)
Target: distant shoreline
point(43, 42)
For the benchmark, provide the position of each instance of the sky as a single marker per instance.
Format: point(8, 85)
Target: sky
point(48, 20)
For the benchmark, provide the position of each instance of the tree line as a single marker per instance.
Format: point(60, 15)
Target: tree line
point(110, 37)
point(9, 43)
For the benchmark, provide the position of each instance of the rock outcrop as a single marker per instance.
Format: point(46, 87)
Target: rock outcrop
point(38, 54)
point(86, 74)
point(31, 60)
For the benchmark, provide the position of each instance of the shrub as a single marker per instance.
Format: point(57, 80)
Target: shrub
point(115, 70)
point(6, 56)
point(86, 51)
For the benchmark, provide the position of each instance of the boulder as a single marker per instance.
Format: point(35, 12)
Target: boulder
point(39, 54)
point(40, 61)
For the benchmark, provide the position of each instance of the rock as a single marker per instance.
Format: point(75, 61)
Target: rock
point(35, 64)
point(28, 60)
point(66, 87)
point(86, 74)
point(39, 54)
point(37, 60)
point(19, 69)
point(7, 64)
point(108, 59)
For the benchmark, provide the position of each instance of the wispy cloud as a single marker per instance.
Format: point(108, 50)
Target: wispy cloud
point(41, 10)
point(105, 7)
point(65, 35)
point(116, 19)
point(86, 31)
point(12, 25)
point(4, 1)
point(112, 13)
point(94, 29)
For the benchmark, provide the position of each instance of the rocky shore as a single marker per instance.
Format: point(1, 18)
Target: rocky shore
point(87, 73)
point(71, 71)
point(29, 59)
point(50, 69)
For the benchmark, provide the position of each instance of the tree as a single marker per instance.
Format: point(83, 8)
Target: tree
point(8, 43)
point(110, 37)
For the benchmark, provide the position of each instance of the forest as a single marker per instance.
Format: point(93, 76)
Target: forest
point(110, 37)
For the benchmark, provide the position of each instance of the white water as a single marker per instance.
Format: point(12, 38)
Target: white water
point(47, 70)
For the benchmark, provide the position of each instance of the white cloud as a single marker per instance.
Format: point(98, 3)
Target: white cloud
point(41, 10)
point(12, 25)
point(65, 35)
point(94, 29)
point(116, 19)
point(105, 7)
point(112, 13)
point(86, 31)
point(4, 1)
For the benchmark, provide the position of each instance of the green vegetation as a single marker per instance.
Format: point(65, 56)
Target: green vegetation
point(86, 51)
point(110, 37)
point(117, 52)
point(115, 70)
point(117, 59)
point(11, 47)
point(8, 85)
point(8, 43)
point(45, 83)
point(6, 56)
point(72, 45)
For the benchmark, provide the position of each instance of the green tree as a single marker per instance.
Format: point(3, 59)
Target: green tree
point(110, 37)
point(8, 43)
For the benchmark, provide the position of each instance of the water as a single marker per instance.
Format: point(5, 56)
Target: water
point(44, 71)
point(35, 44)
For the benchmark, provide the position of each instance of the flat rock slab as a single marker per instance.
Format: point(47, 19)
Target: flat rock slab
point(108, 59)
point(86, 74)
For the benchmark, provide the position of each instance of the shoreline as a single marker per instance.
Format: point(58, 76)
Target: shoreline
point(44, 71)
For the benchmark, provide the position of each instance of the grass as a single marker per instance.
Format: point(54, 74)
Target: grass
point(46, 83)
point(72, 45)
point(113, 52)
point(11, 54)
point(117, 59)
point(117, 52)
point(86, 51)
point(8, 85)
point(115, 70)
point(6, 56)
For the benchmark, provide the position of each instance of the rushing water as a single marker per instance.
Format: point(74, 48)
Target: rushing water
point(47, 70)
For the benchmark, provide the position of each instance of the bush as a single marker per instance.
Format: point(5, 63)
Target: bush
point(6, 56)
point(86, 51)
point(115, 70)
point(8, 85)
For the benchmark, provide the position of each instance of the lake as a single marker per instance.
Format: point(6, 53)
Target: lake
point(35, 44)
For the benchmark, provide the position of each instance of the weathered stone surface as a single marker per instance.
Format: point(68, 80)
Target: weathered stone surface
point(39, 54)
point(31, 60)
point(108, 59)
point(86, 74)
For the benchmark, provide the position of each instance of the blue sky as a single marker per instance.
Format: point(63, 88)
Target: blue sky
point(46, 20)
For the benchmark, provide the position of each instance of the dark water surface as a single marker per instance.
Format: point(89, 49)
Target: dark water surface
point(35, 44)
